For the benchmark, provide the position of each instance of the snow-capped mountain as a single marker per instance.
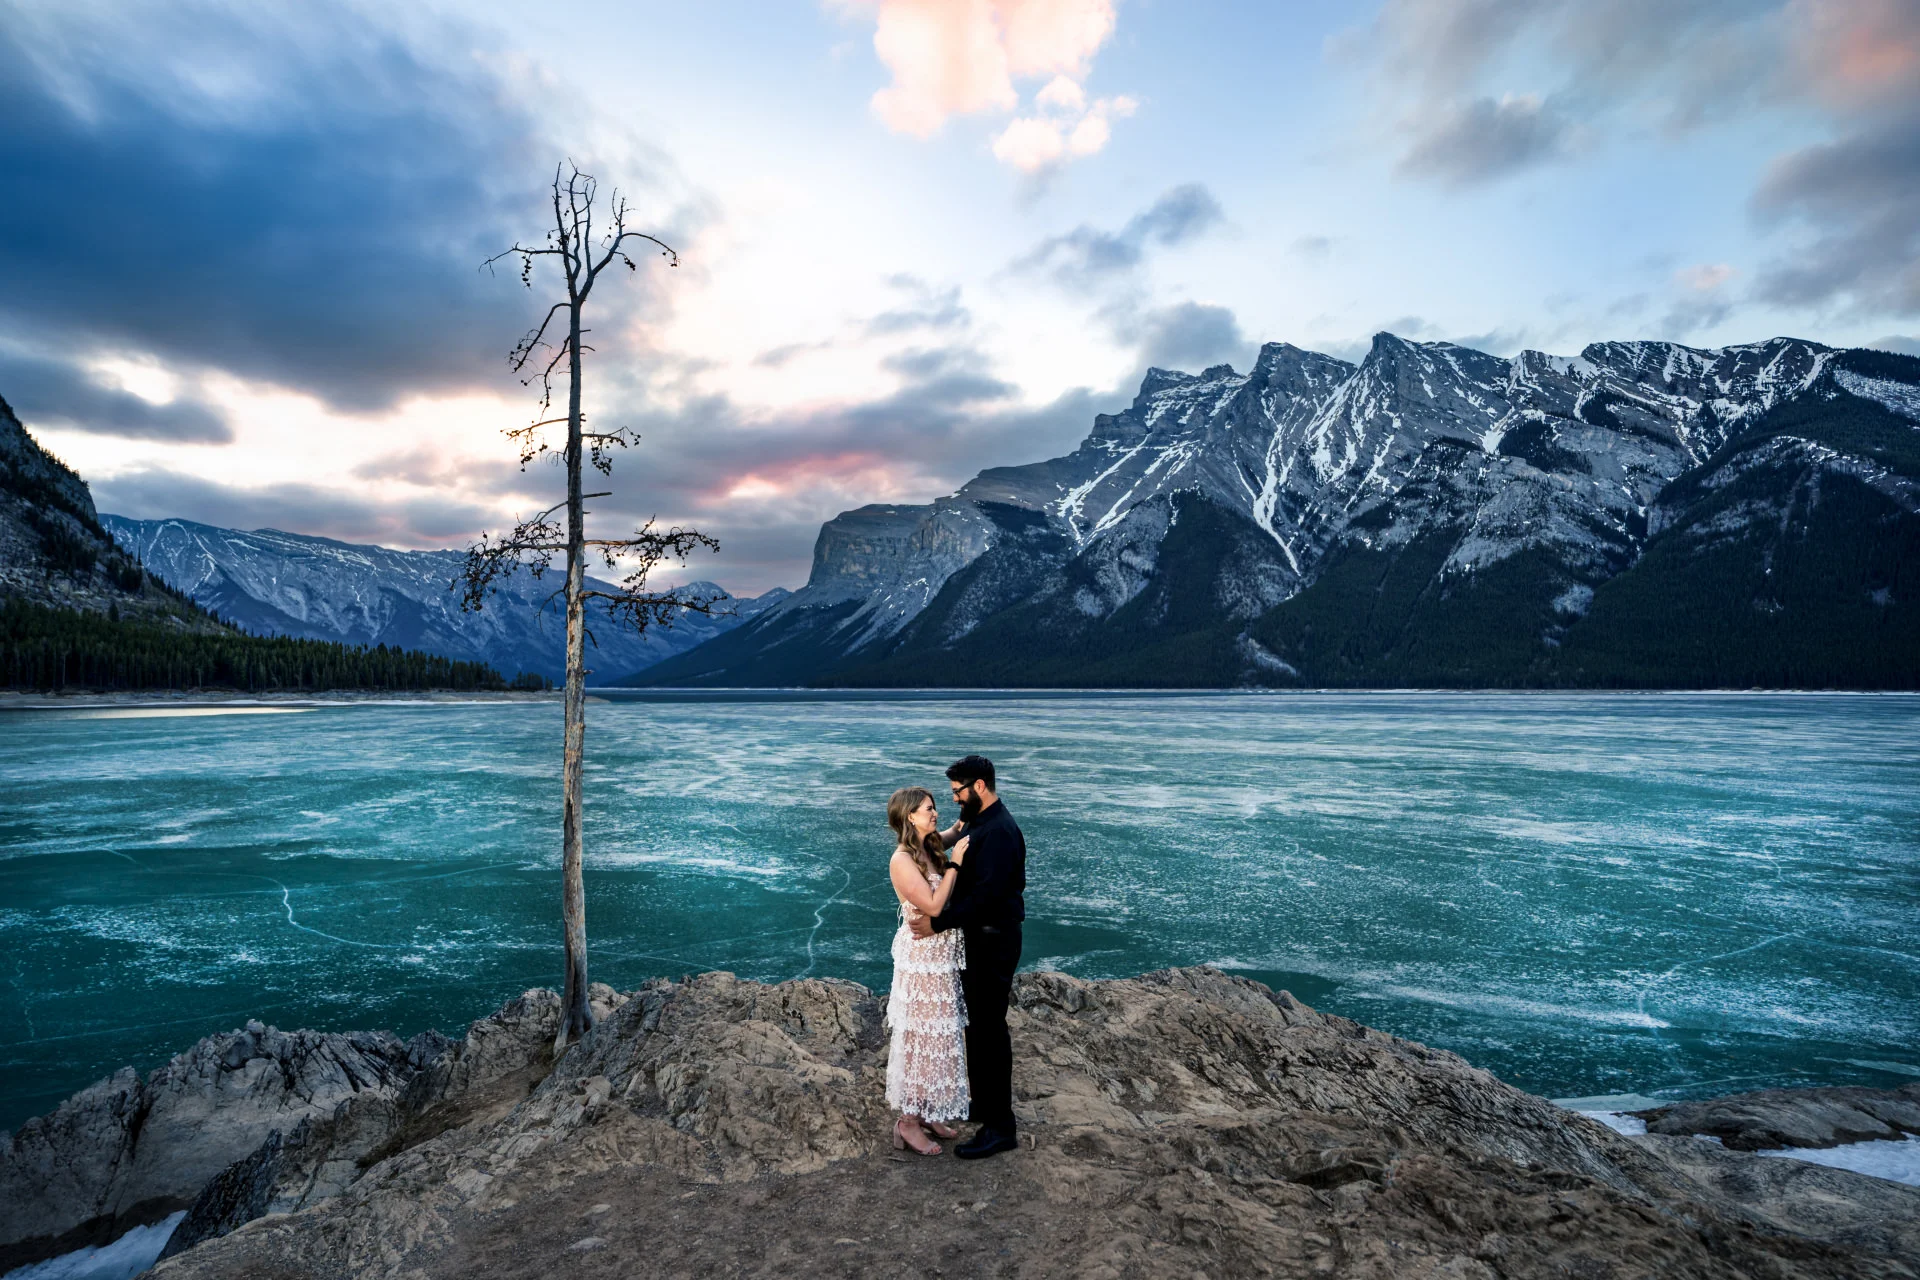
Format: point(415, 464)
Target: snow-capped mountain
point(1314, 520)
point(289, 584)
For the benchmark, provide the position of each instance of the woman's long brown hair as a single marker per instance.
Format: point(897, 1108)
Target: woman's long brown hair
point(930, 853)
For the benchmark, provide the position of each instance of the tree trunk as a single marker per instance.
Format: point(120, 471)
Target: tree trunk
point(575, 1015)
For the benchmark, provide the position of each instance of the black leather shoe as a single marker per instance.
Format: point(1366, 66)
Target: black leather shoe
point(987, 1142)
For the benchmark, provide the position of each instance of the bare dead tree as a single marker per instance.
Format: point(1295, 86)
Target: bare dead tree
point(581, 253)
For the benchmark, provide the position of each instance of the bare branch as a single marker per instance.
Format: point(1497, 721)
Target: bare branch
point(613, 251)
point(583, 252)
point(536, 338)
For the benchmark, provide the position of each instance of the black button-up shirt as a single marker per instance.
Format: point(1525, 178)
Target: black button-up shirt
point(991, 882)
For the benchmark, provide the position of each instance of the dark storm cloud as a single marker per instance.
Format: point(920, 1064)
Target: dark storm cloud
point(1481, 140)
point(1188, 335)
point(1859, 197)
point(287, 195)
point(1685, 61)
point(1088, 256)
point(158, 493)
point(1847, 210)
point(47, 392)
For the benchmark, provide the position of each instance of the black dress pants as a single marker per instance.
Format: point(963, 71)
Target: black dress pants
point(987, 982)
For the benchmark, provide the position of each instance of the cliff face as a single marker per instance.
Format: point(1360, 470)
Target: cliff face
point(1185, 1121)
point(53, 548)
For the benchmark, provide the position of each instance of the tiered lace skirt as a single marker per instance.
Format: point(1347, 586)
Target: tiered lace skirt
point(927, 1063)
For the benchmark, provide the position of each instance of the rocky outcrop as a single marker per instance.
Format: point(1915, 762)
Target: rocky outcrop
point(479, 1078)
point(1791, 1197)
point(129, 1151)
point(1774, 1118)
point(1182, 1122)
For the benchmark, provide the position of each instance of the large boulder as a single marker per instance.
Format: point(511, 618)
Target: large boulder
point(1770, 1119)
point(479, 1078)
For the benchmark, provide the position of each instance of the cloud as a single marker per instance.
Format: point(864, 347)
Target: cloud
point(963, 57)
point(1707, 277)
point(1858, 201)
point(51, 392)
point(1187, 335)
point(780, 356)
point(1484, 139)
point(1495, 341)
point(291, 195)
point(1844, 208)
point(928, 308)
point(1680, 62)
point(1085, 257)
point(1901, 344)
point(1704, 301)
point(764, 481)
point(1040, 143)
point(1862, 54)
point(1312, 248)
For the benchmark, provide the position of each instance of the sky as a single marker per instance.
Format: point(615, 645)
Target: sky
point(241, 246)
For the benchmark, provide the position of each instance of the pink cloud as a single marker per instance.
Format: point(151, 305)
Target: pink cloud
point(1860, 52)
point(1046, 139)
point(963, 57)
point(862, 471)
point(1704, 278)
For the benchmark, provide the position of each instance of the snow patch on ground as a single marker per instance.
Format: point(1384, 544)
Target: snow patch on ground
point(1901, 397)
point(1619, 1122)
point(125, 1258)
point(1896, 1161)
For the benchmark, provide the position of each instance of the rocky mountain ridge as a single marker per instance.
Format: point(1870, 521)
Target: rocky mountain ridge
point(54, 550)
point(1499, 497)
point(289, 584)
point(1185, 1120)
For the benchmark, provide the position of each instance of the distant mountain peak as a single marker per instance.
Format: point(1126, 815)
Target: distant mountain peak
point(1216, 496)
point(280, 583)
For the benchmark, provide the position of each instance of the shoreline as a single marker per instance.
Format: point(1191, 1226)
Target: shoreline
point(18, 700)
point(31, 700)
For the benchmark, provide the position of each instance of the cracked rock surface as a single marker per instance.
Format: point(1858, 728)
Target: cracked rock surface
point(1185, 1122)
point(127, 1150)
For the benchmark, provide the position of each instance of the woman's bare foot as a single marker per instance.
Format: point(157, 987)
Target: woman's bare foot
point(939, 1130)
point(907, 1132)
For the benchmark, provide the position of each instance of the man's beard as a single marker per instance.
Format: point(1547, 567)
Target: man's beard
point(970, 807)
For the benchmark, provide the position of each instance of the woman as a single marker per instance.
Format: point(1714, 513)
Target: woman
point(927, 1064)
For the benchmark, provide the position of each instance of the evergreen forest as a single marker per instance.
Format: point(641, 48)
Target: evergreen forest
point(52, 649)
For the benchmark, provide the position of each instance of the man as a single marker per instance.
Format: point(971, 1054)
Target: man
point(987, 906)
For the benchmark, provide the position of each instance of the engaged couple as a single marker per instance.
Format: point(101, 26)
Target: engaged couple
point(954, 956)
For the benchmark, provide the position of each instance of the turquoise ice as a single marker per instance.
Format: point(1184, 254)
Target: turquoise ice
point(1588, 894)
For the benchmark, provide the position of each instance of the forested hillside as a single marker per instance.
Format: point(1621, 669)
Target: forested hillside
point(77, 611)
point(59, 649)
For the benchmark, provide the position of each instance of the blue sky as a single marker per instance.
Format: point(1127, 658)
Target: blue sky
point(919, 237)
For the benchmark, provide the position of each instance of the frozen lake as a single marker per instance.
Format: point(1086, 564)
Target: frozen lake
point(1588, 894)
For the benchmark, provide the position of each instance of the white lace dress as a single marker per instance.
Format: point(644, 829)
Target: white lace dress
point(927, 1063)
